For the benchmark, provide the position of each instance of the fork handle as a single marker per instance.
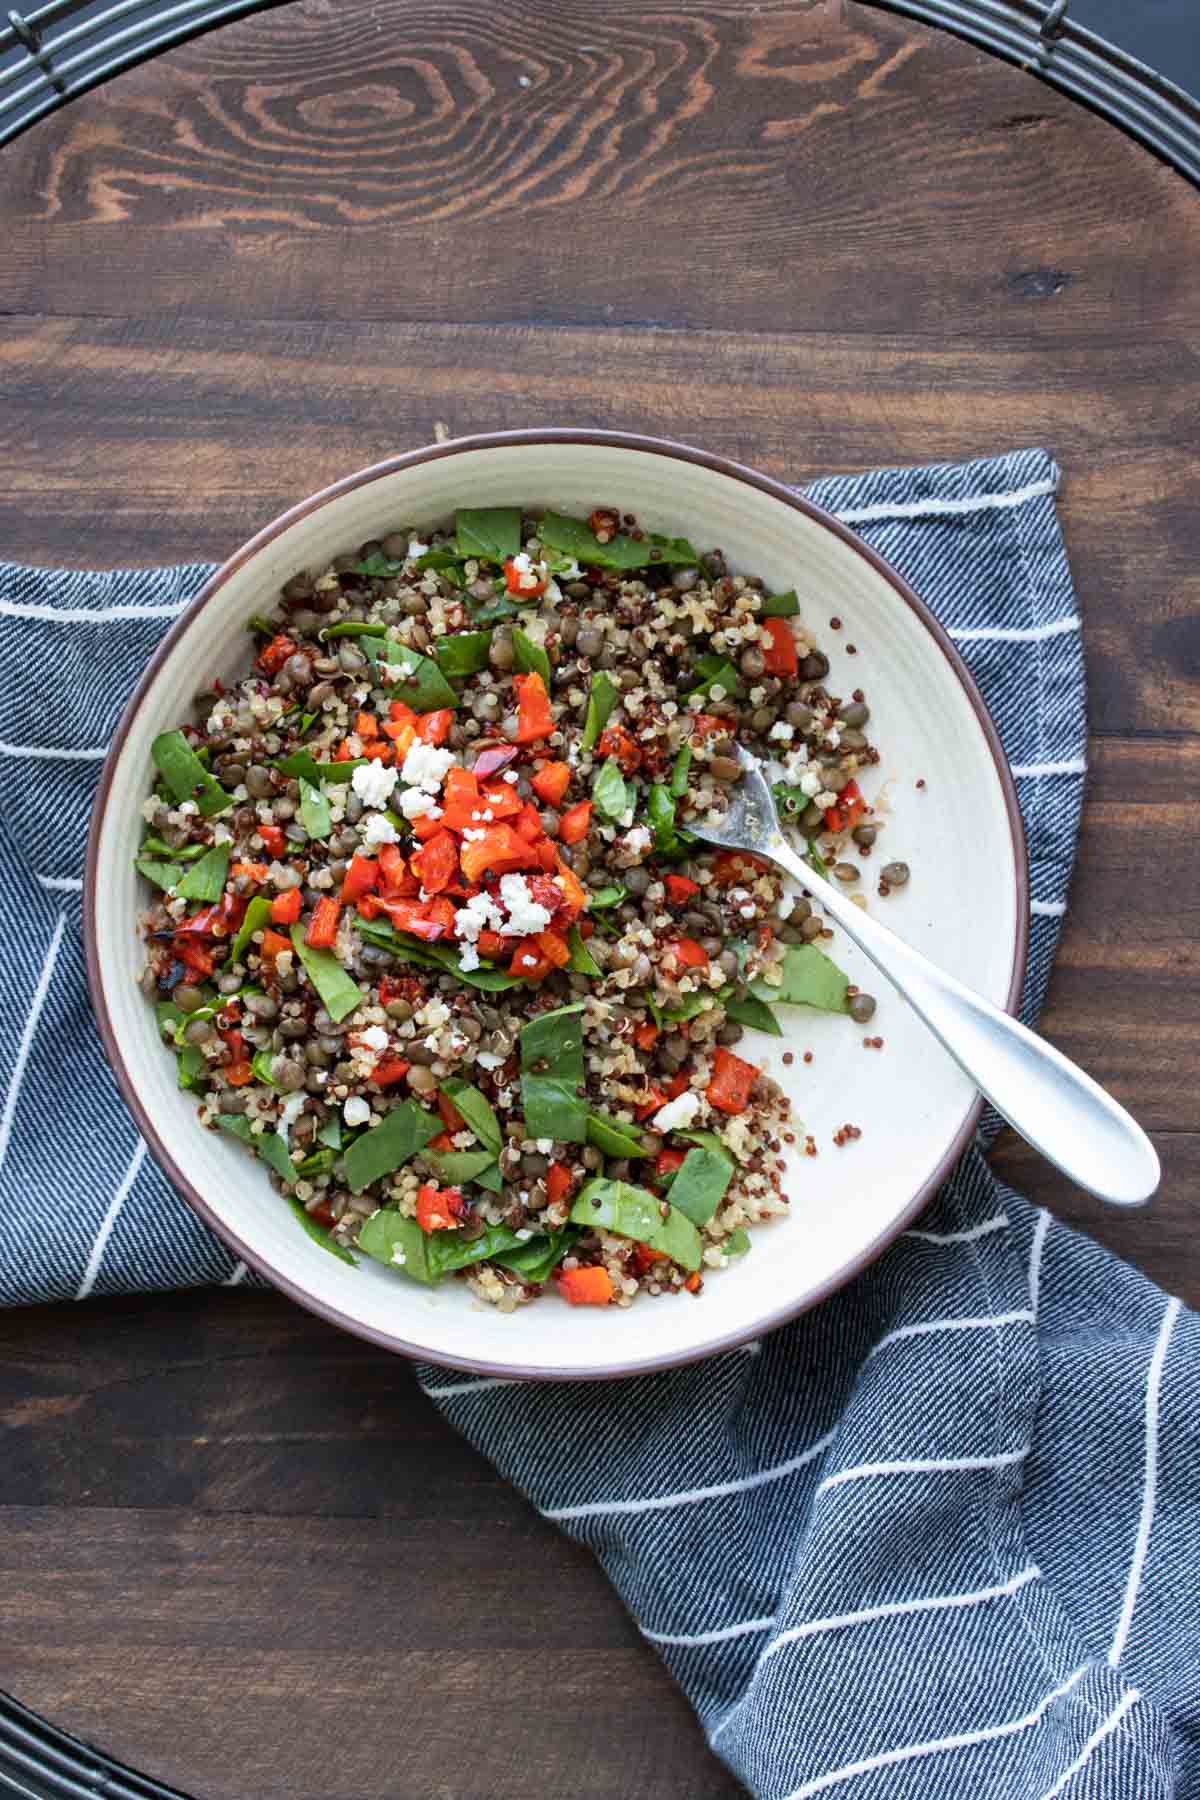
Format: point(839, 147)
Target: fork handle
point(1058, 1109)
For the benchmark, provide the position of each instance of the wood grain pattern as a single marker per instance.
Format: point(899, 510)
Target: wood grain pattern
point(240, 1549)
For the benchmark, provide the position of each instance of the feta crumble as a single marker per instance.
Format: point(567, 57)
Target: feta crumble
point(526, 918)
point(374, 784)
point(356, 1111)
point(425, 767)
point(378, 830)
point(416, 805)
point(375, 1037)
point(679, 1113)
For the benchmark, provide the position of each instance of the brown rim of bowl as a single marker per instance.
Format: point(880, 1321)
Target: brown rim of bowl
point(499, 440)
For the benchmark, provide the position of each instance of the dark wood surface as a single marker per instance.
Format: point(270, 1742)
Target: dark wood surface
point(240, 1549)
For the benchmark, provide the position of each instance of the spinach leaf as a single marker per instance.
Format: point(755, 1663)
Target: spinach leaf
point(154, 847)
point(456, 1167)
point(490, 612)
point(753, 1012)
point(389, 1145)
point(256, 918)
point(536, 1260)
point(488, 533)
point(163, 875)
point(330, 1133)
point(184, 773)
point(446, 1251)
point(260, 1067)
point(692, 1005)
point(610, 795)
point(443, 562)
point(529, 658)
point(167, 1013)
point(552, 1064)
point(790, 799)
point(463, 654)
point(260, 626)
point(426, 688)
point(301, 765)
point(434, 956)
point(581, 962)
point(190, 1066)
point(377, 565)
point(321, 1162)
point(779, 606)
point(700, 1183)
point(810, 978)
point(679, 771)
point(608, 896)
point(315, 815)
point(351, 628)
point(339, 994)
point(708, 1140)
point(816, 861)
point(307, 721)
point(399, 1243)
point(602, 697)
point(634, 1213)
point(714, 671)
point(267, 1144)
point(660, 810)
point(319, 1235)
point(574, 537)
point(477, 1110)
point(613, 1136)
point(206, 879)
point(737, 1243)
point(490, 1179)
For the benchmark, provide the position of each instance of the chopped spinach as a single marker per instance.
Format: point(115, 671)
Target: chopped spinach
point(185, 775)
point(574, 537)
point(810, 978)
point(552, 1073)
point(488, 533)
point(256, 918)
point(319, 1235)
point(602, 697)
point(155, 847)
point(679, 771)
point(613, 1136)
point(749, 1010)
point(456, 1167)
point(162, 874)
point(315, 815)
point(633, 1212)
point(714, 671)
point(377, 565)
point(205, 880)
point(267, 1144)
point(737, 1243)
point(389, 1145)
point(582, 962)
point(260, 1067)
point(536, 1260)
point(191, 1066)
point(477, 1110)
point(330, 1133)
point(339, 994)
point(779, 606)
point(425, 688)
point(398, 1243)
point(700, 1183)
point(608, 896)
point(529, 658)
point(465, 653)
point(610, 795)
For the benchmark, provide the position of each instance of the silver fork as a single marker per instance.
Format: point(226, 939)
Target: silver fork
point(1058, 1109)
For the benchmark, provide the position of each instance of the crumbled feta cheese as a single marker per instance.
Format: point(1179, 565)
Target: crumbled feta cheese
point(417, 548)
point(480, 913)
point(378, 830)
point(679, 1113)
point(781, 731)
point(747, 912)
point(472, 837)
point(525, 917)
point(468, 957)
point(188, 807)
point(833, 737)
point(810, 783)
point(529, 574)
point(356, 1110)
point(291, 1109)
point(416, 805)
point(826, 800)
point(639, 840)
point(375, 1037)
point(488, 1060)
point(545, 1145)
point(425, 766)
point(511, 775)
point(373, 783)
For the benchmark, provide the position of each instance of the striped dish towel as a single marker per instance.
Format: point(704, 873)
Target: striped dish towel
point(940, 1537)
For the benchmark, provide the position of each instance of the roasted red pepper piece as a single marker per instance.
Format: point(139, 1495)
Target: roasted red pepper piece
point(731, 1082)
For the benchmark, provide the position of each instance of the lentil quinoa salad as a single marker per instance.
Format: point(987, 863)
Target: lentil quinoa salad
point(428, 930)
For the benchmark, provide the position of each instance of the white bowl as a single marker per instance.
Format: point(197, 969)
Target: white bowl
point(966, 904)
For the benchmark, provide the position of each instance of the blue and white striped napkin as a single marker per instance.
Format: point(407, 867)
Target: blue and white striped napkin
point(940, 1537)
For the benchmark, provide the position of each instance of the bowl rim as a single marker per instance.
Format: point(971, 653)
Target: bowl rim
point(499, 440)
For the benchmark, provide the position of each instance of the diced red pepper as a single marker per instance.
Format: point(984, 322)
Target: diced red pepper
point(343, 753)
point(779, 648)
point(694, 1282)
point(678, 1084)
point(653, 1100)
point(574, 825)
point(646, 1035)
point(425, 827)
point(705, 723)
point(737, 868)
point(435, 864)
point(401, 713)
point(560, 1179)
point(389, 1070)
point(523, 583)
point(849, 809)
point(534, 718)
point(362, 877)
point(680, 889)
point(392, 869)
point(545, 855)
point(528, 961)
point(668, 1161)
point(617, 743)
point(551, 782)
point(323, 1214)
point(686, 953)
point(273, 944)
point(194, 955)
point(414, 916)
point(555, 948)
point(589, 1286)
point(499, 851)
point(366, 725)
point(644, 1258)
point(273, 655)
point(731, 1082)
point(274, 839)
point(285, 908)
point(495, 757)
point(501, 799)
point(443, 1143)
point(254, 872)
point(575, 895)
point(438, 1209)
point(237, 1074)
point(452, 1119)
point(323, 926)
point(434, 727)
point(460, 800)
point(528, 823)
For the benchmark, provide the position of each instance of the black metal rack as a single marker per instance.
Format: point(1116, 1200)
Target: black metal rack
point(51, 53)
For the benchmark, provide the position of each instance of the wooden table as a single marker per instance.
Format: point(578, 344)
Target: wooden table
point(240, 1550)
